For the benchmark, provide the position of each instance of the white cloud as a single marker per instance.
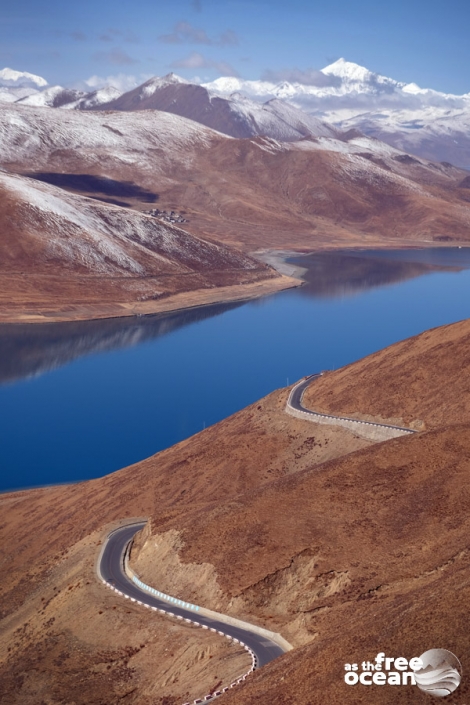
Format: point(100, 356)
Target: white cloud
point(308, 77)
point(123, 82)
point(198, 61)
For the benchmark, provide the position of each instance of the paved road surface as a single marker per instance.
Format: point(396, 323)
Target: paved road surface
point(298, 392)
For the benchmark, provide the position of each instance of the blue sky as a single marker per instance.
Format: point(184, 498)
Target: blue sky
point(426, 41)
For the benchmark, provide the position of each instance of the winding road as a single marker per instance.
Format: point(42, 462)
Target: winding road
point(112, 570)
point(368, 429)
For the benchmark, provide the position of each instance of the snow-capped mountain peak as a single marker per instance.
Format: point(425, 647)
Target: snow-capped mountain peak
point(348, 70)
point(351, 73)
point(97, 98)
point(173, 78)
point(284, 90)
point(153, 84)
point(16, 79)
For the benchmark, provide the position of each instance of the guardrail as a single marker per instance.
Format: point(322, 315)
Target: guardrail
point(200, 610)
point(366, 429)
point(217, 693)
point(152, 591)
point(273, 636)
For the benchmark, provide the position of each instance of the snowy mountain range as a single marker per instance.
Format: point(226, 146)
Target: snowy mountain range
point(234, 115)
point(345, 90)
point(425, 122)
point(346, 96)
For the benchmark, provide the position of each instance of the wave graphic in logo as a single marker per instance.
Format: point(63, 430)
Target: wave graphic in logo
point(440, 674)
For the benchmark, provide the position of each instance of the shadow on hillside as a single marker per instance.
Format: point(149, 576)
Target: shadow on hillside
point(91, 184)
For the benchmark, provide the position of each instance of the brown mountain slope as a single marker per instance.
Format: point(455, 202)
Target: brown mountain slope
point(347, 548)
point(423, 379)
point(64, 255)
point(322, 195)
point(363, 554)
point(252, 193)
point(65, 633)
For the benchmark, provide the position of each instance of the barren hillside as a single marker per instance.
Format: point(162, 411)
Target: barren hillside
point(66, 634)
point(251, 193)
point(346, 547)
point(425, 380)
point(64, 255)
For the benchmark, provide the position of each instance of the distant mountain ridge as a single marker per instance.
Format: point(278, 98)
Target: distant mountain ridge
point(70, 98)
point(250, 193)
point(235, 115)
point(425, 122)
point(52, 97)
point(343, 96)
point(347, 87)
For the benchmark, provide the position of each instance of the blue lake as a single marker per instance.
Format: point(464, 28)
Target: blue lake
point(80, 400)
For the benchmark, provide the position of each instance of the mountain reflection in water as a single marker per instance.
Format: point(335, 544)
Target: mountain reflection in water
point(342, 273)
point(29, 350)
point(139, 385)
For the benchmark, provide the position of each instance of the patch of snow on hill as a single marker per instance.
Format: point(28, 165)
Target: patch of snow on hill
point(437, 134)
point(74, 235)
point(91, 100)
point(11, 95)
point(110, 240)
point(361, 170)
point(148, 88)
point(53, 97)
point(30, 134)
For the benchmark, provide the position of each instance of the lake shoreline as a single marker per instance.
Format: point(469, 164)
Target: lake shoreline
point(279, 259)
point(95, 396)
point(178, 302)
point(289, 276)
